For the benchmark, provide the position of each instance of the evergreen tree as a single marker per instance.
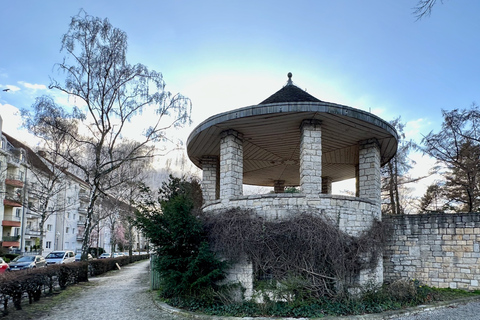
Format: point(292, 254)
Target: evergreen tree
point(187, 266)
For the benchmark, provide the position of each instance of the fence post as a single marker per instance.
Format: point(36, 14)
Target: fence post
point(154, 275)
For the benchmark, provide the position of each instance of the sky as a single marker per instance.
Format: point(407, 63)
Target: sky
point(372, 55)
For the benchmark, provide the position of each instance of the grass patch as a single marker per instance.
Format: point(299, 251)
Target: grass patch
point(398, 295)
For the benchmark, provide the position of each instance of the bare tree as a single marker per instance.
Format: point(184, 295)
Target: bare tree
point(46, 187)
point(395, 176)
point(457, 147)
point(424, 8)
point(110, 93)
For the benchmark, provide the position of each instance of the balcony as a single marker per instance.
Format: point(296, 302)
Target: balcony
point(80, 223)
point(10, 221)
point(83, 196)
point(11, 241)
point(82, 210)
point(14, 181)
point(32, 213)
point(32, 232)
point(13, 199)
point(14, 160)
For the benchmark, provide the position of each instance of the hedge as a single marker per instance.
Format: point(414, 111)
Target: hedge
point(16, 285)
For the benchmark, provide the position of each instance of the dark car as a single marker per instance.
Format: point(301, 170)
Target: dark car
point(78, 257)
point(27, 262)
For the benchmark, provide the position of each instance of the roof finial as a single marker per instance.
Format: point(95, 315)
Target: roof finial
point(289, 82)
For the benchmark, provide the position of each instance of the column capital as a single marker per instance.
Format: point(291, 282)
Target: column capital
point(231, 132)
point(310, 122)
point(368, 143)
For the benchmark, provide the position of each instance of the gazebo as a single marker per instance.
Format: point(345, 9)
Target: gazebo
point(292, 139)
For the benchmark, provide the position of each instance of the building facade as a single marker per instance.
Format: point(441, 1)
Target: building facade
point(35, 188)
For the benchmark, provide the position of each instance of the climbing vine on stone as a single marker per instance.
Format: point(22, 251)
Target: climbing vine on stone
point(307, 250)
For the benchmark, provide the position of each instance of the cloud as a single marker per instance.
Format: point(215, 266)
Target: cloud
point(416, 129)
point(12, 124)
point(34, 87)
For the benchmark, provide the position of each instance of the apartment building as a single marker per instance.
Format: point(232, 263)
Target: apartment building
point(13, 171)
point(34, 188)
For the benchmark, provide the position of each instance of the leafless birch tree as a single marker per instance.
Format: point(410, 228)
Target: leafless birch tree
point(109, 93)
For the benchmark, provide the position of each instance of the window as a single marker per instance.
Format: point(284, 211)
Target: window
point(49, 227)
point(48, 244)
point(18, 212)
point(74, 216)
point(67, 229)
point(68, 215)
point(16, 231)
point(73, 230)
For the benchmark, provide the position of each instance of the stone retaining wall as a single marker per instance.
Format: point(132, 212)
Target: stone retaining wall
point(440, 250)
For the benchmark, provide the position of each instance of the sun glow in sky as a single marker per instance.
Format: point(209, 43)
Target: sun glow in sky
point(367, 54)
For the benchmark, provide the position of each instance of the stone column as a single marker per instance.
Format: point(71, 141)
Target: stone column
point(327, 185)
point(311, 157)
point(369, 185)
point(231, 164)
point(279, 186)
point(210, 178)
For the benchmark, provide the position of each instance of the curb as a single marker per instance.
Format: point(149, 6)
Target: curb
point(371, 316)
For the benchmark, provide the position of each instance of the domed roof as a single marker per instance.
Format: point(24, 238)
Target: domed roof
point(271, 137)
point(290, 93)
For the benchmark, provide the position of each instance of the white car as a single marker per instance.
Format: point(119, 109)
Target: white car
point(105, 255)
point(60, 257)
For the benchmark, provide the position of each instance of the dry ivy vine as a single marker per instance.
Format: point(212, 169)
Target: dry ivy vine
point(306, 247)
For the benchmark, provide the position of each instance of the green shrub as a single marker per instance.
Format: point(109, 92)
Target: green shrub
point(399, 294)
point(187, 266)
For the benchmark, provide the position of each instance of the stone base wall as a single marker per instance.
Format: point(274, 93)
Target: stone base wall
point(440, 250)
point(353, 215)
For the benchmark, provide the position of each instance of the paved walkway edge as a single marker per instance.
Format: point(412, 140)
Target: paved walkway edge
point(371, 316)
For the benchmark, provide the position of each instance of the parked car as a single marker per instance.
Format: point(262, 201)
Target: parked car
point(27, 262)
point(3, 266)
point(78, 257)
point(105, 255)
point(117, 254)
point(60, 257)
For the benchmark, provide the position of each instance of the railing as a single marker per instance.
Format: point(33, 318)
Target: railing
point(13, 196)
point(11, 176)
point(13, 159)
point(12, 218)
point(32, 232)
point(83, 195)
point(11, 238)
